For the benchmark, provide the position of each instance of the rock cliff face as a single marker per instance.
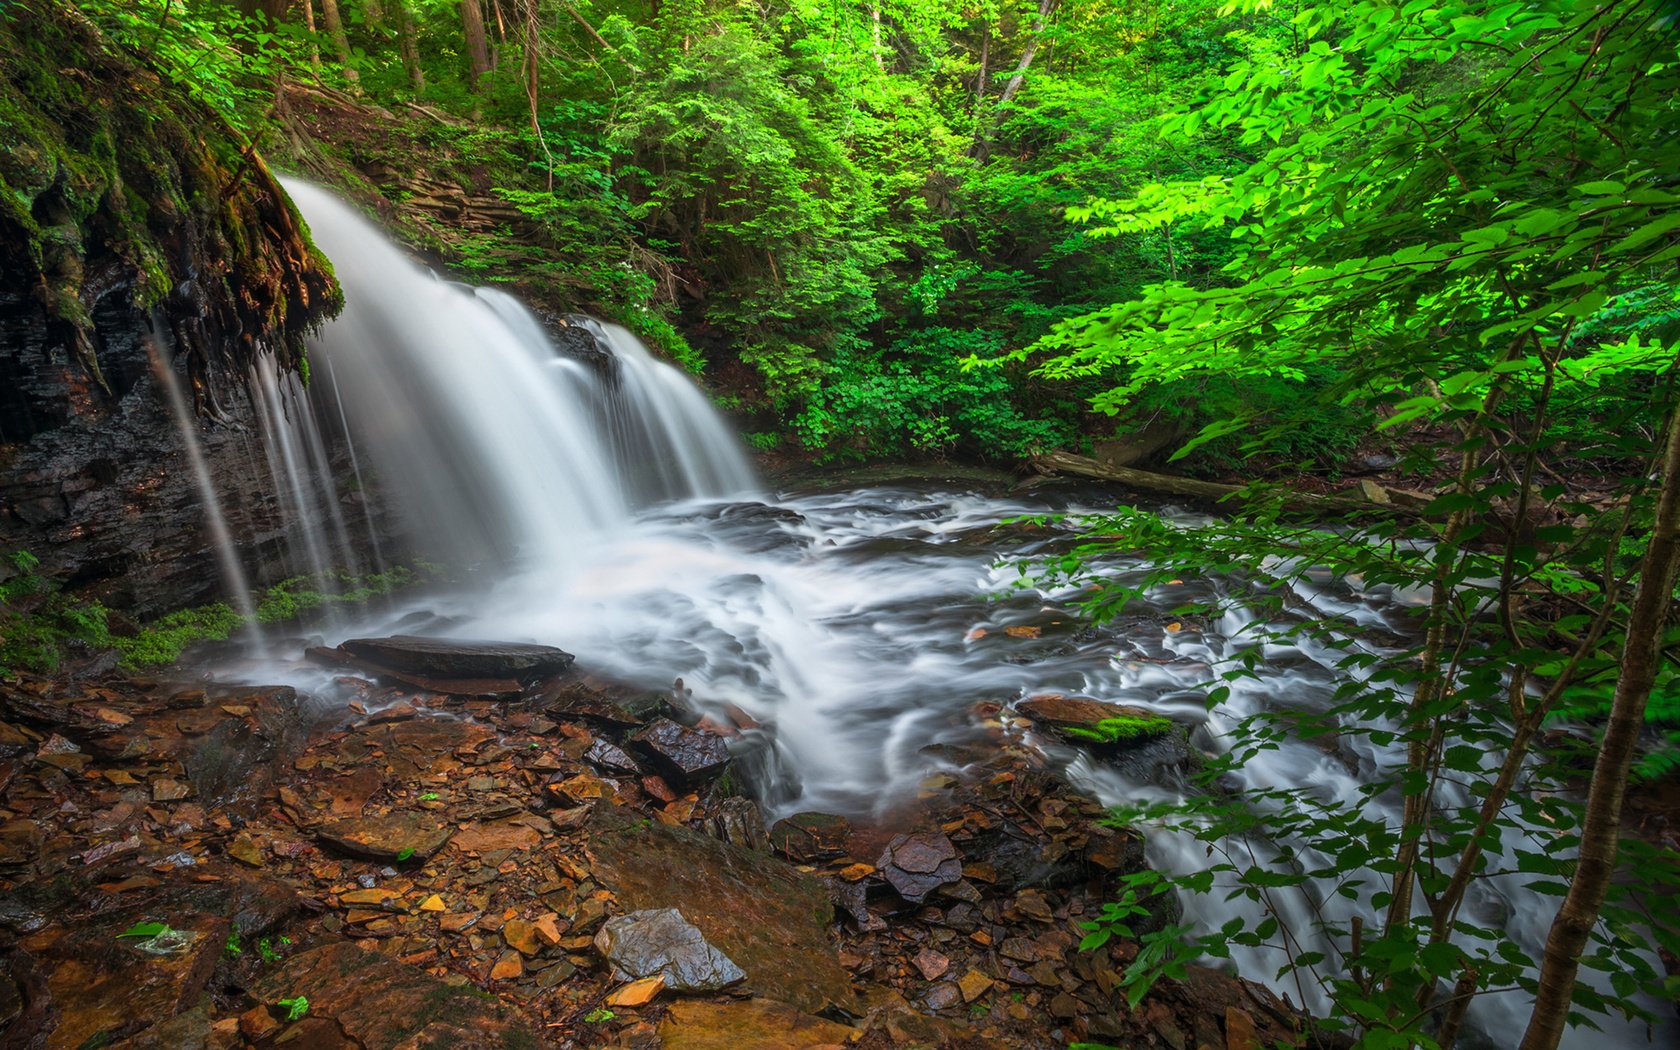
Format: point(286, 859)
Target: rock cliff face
point(137, 233)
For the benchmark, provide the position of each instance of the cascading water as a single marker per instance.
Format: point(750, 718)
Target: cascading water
point(481, 431)
point(615, 516)
point(233, 574)
point(319, 543)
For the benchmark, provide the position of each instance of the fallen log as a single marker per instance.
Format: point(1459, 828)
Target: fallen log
point(1364, 501)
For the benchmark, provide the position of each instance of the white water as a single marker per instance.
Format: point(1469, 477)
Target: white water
point(503, 452)
point(616, 517)
point(233, 574)
point(319, 543)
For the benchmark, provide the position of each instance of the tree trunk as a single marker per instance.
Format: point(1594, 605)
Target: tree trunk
point(1596, 863)
point(314, 51)
point(341, 43)
point(271, 10)
point(478, 51)
point(1046, 8)
point(530, 71)
point(408, 40)
point(982, 142)
point(875, 35)
point(374, 14)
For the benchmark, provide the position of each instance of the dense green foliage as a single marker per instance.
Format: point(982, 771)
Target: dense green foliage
point(1463, 219)
point(832, 209)
point(36, 622)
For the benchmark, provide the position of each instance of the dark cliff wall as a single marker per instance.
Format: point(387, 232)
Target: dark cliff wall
point(136, 233)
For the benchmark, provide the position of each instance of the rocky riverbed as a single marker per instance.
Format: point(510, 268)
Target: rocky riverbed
point(531, 856)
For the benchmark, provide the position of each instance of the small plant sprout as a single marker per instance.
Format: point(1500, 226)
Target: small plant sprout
point(599, 1015)
point(295, 1007)
point(233, 947)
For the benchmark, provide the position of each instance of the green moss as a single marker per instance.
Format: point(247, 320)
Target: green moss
point(112, 159)
point(1114, 730)
point(163, 641)
point(291, 599)
point(37, 623)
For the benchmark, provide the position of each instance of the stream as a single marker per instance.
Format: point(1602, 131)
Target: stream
point(605, 508)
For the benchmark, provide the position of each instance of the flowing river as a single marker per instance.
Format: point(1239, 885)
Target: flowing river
point(605, 507)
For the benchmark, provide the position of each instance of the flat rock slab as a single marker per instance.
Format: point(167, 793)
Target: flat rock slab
point(918, 864)
point(767, 917)
point(400, 836)
point(756, 1024)
point(102, 988)
point(660, 942)
point(459, 658)
point(379, 1002)
point(488, 688)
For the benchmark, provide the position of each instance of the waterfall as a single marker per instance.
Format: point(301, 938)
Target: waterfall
point(318, 541)
point(497, 449)
point(233, 575)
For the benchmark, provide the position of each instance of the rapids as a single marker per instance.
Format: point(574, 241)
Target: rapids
point(611, 512)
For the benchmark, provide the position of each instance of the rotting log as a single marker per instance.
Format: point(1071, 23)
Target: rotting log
point(1396, 501)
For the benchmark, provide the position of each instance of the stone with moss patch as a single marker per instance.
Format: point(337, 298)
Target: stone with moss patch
point(1086, 721)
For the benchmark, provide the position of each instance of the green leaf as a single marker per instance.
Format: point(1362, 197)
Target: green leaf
point(145, 929)
point(295, 1007)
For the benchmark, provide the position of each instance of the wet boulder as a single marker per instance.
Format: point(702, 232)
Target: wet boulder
point(739, 821)
point(610, 758)
point(457, 658)
point(660, 941)
point(809, 838)
point(688, 754)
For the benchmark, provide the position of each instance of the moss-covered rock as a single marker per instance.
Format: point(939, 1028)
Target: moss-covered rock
point(119, 184)
point(138, 231)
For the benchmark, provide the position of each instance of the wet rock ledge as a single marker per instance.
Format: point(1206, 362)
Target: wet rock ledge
point(565, 863)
